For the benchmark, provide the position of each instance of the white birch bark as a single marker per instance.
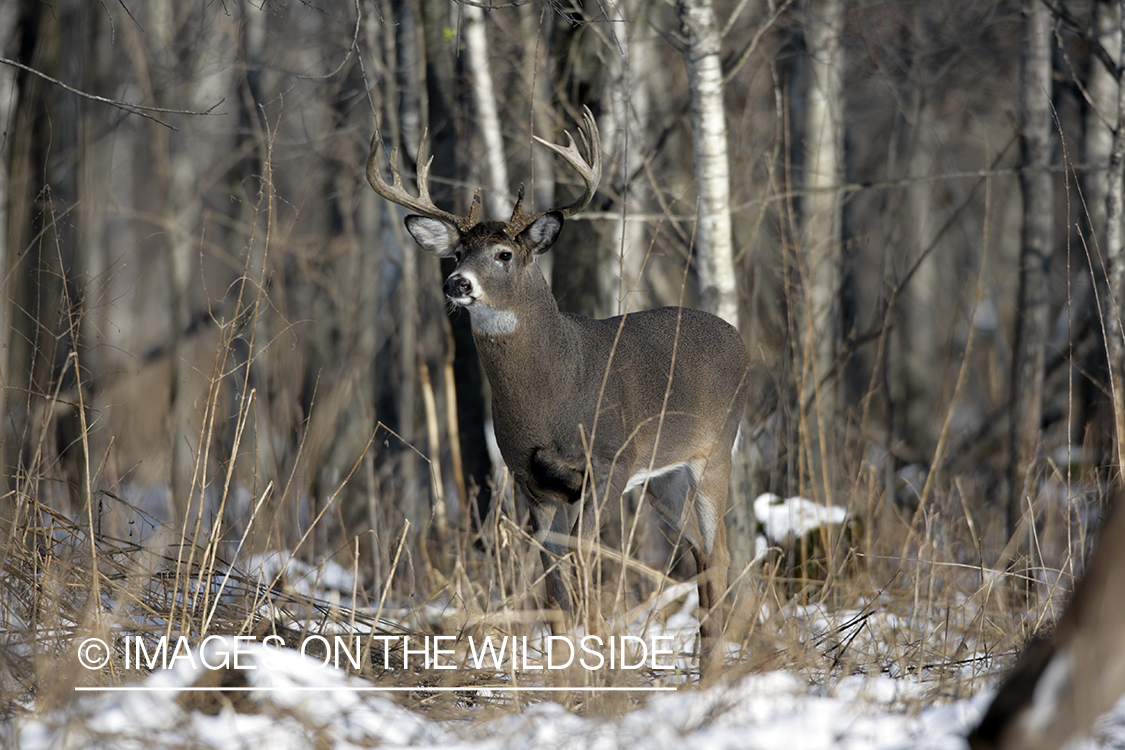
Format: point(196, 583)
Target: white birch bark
point(1115, 253)
point(715, 244)
point(712, 163)
point(484, 99)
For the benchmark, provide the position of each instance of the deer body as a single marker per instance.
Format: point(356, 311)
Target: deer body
point(623, 433)
point(585, 409)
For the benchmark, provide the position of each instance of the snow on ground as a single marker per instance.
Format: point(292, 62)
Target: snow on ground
point(276, 699)
point(290, 701)
point(786, 519)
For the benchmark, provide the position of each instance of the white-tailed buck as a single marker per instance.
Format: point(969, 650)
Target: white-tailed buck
point(586, 409)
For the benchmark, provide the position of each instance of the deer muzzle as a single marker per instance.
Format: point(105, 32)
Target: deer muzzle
point(458, 287)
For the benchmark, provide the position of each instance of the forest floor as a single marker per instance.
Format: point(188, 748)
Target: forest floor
point(901, 653)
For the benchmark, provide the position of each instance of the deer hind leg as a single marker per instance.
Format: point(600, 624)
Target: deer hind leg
point(693, 500)
point(709, 510)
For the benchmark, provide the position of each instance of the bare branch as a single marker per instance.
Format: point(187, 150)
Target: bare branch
point(131, 108)
point(748, 50)
point(352, 48)
point(1080, 28)
point(494, 6)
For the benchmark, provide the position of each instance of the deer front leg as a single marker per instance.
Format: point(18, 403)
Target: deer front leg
point(551, 529)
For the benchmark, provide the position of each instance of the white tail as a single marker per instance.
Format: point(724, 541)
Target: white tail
point(585, 409)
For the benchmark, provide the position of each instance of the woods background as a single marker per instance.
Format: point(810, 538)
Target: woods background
point(208, 316)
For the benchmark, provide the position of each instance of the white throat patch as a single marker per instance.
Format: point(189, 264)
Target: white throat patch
point(492, 322)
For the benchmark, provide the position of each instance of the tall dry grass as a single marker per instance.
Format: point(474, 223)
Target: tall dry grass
point(909, 591)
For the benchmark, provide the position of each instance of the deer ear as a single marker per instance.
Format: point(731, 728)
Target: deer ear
point(433, 235)
point(543, 232)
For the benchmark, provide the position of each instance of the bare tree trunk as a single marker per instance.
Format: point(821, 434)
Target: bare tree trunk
point(257, 213)
point(822, 235)
point(33, 278)
point(1101, 117)
point(179, 214)
point(9, 254)
point(538, 31)
point(579, 268)
point(917, 384)
point(1081, 304)
point(412, 70)
point(631, 99)
point(1035, 256)
point(712, 164)
point(628, 104)
point(17, 352)
point(488, 120)
point(1115, 261)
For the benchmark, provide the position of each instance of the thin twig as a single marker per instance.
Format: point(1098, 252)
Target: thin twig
point(752, 45)
point(135, 109)
point(351, 48)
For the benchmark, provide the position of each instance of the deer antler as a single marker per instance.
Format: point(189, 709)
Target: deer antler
point(423, 204)
point(585, 158)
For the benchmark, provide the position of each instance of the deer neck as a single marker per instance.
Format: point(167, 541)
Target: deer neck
point(526, 351)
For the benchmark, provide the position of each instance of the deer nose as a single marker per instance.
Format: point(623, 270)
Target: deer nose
point(458, 286)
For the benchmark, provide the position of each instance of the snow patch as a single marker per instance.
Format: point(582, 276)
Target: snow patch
point(785, 519)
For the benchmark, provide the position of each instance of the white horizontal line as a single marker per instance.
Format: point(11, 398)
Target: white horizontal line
point(372, 689)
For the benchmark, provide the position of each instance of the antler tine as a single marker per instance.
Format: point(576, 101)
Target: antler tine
point(586, 160)
point(396, 193)
point(423, 168)
point(474, 211)
point(518, 209)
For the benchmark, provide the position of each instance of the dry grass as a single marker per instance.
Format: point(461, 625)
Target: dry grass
point(906, 597)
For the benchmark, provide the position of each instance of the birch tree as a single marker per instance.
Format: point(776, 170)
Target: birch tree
point(1115, 253)
point(488, 119)
point(714, 245)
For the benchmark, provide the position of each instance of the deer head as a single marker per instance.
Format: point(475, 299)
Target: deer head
point(495, 275)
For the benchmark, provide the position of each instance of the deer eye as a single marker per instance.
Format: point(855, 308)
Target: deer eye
point(504, 256)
